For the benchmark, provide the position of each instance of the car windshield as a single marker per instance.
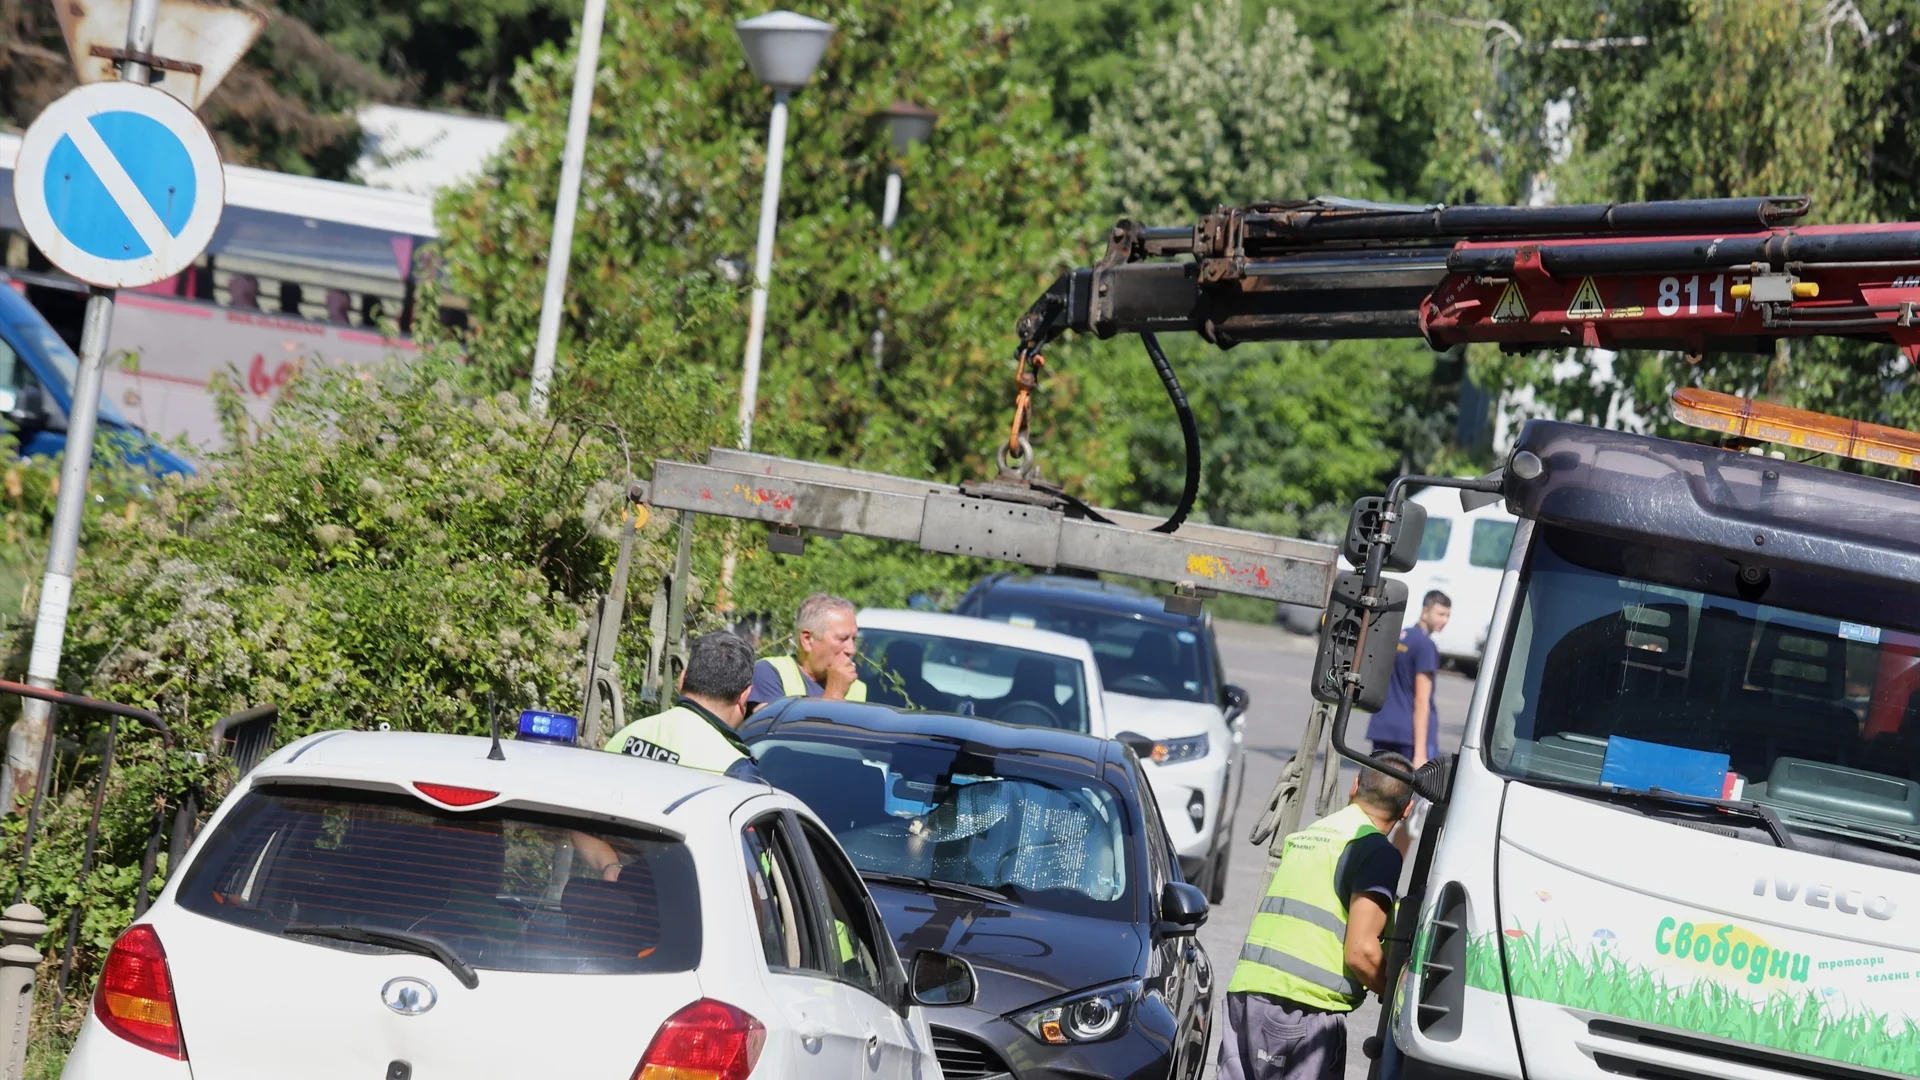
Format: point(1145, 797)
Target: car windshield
point(503, 889)
point(1136, 655)
point(977, 678)
point(960, 814)
point(1649, 667)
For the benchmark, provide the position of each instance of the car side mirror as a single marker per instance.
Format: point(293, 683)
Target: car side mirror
point(28, 411)
point(1237, 701)
point(940, 979)
point(1141, 746)
point(1183, 908)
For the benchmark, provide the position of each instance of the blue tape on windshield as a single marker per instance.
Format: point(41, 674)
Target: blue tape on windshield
point(1643, 766)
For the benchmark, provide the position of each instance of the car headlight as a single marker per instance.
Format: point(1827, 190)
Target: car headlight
point(1174, 751)
point(1089, 1016)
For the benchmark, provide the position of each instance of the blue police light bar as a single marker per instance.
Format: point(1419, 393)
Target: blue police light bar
point(548, 727)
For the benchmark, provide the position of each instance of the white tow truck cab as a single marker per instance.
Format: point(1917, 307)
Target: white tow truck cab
point(1682, 836)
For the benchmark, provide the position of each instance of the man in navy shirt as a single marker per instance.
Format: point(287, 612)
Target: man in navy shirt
point(1409, 723)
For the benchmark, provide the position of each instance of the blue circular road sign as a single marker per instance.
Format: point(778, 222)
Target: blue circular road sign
point(119, 184)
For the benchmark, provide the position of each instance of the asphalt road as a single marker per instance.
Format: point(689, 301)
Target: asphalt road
point(1274, 665)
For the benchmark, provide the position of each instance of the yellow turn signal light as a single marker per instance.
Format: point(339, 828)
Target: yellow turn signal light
point(1745, 418)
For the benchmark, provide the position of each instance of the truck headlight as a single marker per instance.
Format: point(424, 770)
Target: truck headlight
point(1089, 1016)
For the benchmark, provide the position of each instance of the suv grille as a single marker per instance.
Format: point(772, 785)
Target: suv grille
point(963, 1057)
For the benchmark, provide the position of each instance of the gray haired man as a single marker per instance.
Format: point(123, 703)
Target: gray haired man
point(824, 633)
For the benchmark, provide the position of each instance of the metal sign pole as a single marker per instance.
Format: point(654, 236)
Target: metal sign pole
point(26, 741)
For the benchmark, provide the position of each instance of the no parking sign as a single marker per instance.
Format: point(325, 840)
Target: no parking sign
point(119, 185)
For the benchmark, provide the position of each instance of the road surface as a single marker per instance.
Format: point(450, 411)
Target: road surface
point(1274, 665)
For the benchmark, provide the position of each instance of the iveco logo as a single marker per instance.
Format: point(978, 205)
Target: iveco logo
point(408, 996)
point(1848, 901)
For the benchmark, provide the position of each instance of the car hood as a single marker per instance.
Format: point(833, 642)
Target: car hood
point(1020, 955)
point(1160, 718)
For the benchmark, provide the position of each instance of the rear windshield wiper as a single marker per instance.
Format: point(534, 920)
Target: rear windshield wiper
point(952, 888)
point(1746, 808)
point(401, 940)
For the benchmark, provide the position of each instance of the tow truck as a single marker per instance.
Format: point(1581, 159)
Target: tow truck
point(1681, 835)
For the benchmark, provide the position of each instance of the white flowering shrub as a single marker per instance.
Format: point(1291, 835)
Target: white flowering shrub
point(1229, 109)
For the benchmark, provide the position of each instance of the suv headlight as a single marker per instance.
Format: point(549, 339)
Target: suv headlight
point(1089, 1016)
point(1174, 751)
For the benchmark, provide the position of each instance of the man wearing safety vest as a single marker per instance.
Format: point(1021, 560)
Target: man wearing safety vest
point(1314, 948)
point(824, 634)
point(699, 730)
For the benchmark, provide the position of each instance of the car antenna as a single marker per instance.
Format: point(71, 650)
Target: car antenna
point(493, 728)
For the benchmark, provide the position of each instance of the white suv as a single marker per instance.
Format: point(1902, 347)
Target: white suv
point(389, 904)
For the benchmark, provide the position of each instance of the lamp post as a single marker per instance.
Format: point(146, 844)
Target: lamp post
point(908, 124)
point(782, 49)
point(560, 250)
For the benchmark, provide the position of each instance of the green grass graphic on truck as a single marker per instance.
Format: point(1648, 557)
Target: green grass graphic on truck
point(1598, 979)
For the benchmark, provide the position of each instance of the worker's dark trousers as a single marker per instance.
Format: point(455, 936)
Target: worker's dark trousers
point(1269, 1038)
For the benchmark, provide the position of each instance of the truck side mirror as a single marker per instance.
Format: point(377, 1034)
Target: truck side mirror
point(1404, 552)
point(1340, 640)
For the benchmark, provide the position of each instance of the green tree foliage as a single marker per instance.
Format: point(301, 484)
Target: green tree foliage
point(287, 106)
point(1229, 106)
point(671, 199)
point(1223, 112)
point(1722, 99)
point(455, 53)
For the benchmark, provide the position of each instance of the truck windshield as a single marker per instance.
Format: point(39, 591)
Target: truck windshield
point(1646, 667)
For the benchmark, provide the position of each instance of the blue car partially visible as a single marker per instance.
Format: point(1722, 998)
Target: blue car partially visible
point(36, 393)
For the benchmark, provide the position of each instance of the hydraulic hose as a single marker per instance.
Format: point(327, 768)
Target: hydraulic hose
point(1189, 433)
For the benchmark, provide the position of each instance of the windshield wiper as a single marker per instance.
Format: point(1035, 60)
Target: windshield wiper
point(954, 888)
point(1746, 808)
point(401, 940)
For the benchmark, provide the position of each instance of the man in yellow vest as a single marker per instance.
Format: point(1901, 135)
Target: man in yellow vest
point(699, 730)
point(824, 634)
point(1314, 948)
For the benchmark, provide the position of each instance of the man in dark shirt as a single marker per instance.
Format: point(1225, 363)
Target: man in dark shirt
point(1409, 723)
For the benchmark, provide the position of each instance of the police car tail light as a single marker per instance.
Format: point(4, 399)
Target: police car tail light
point(135, 997)
point(449, 795)
point(707, 1040)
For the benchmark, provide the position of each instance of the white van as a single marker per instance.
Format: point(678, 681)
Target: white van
point(1462, 555)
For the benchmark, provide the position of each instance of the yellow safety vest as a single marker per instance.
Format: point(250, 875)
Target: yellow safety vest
point(680, 736)
point(1297, 946)
point(794, 684)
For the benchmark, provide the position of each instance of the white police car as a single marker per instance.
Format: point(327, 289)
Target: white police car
point(387, 904)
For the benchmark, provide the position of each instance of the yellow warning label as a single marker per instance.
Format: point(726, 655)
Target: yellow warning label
point(1586, 302)
point(1512, 306)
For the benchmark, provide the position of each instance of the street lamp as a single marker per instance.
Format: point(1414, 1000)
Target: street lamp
point(782, 49)
point(908, 124)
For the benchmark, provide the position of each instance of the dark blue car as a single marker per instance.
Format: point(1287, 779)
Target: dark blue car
point(36, 393)
point(1034, 855)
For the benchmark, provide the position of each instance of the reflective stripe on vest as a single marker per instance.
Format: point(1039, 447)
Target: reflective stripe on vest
point(794, 684)
point(678, 736)
point(1297, 946)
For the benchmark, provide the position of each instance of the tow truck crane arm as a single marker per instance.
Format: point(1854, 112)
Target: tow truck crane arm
point(1695, 276)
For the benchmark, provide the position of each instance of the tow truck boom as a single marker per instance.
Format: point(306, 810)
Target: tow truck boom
point(1696, 276)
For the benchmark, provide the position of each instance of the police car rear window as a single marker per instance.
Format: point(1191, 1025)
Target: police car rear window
point(503, 889)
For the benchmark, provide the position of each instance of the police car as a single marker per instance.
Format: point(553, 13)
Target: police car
point(389, 904)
